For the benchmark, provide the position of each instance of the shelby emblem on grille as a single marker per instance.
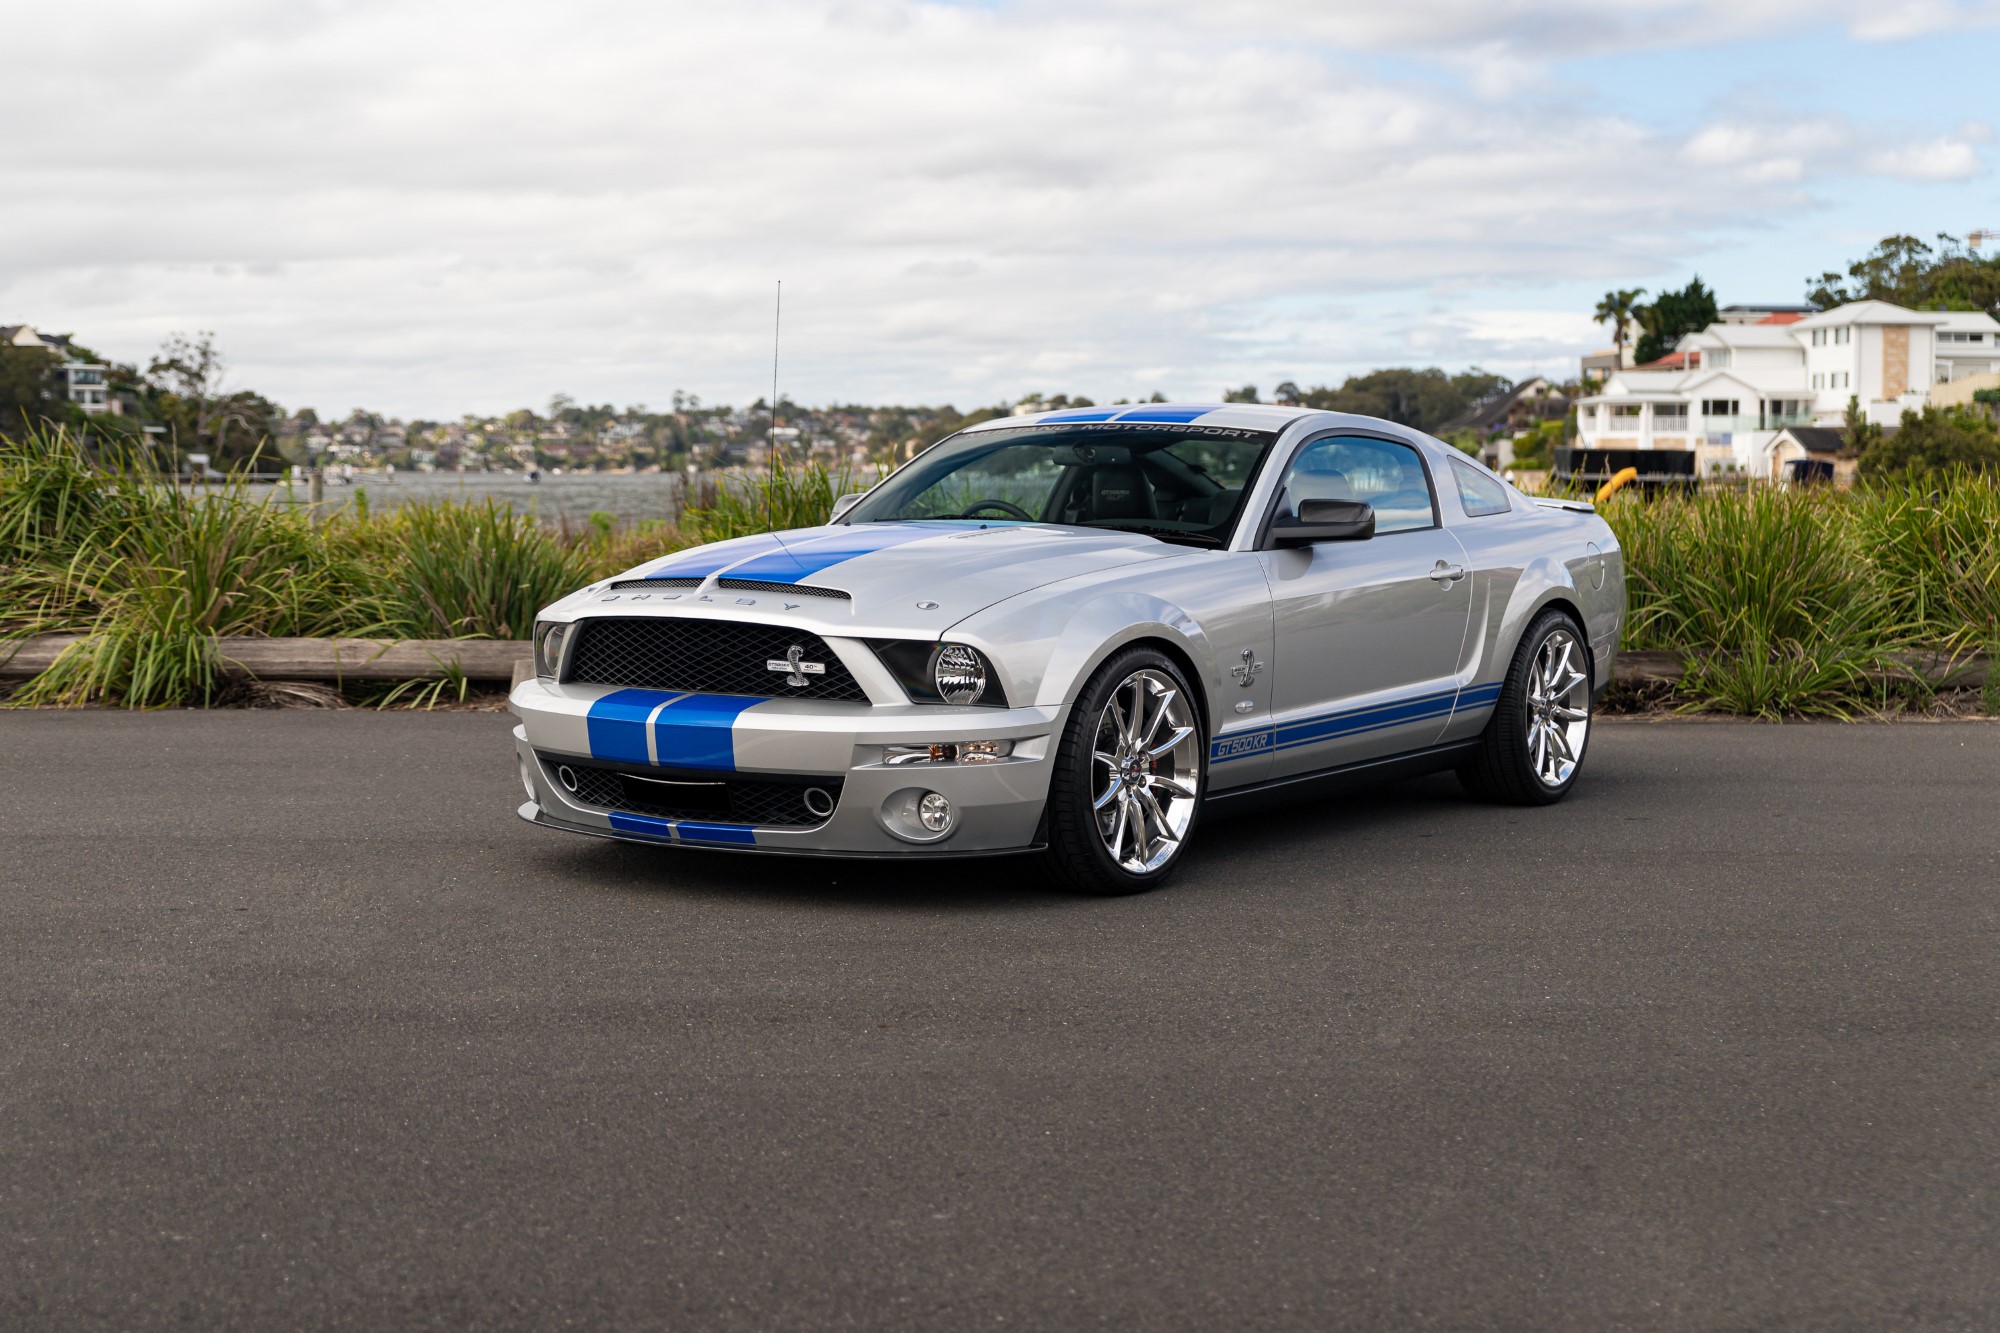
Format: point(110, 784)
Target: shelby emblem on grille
point(797, 668)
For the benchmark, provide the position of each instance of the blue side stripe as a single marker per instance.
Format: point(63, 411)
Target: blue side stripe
point(695, 731)
point(668, 830)
point(790, 564)
point(1312, 730)
point(1174, 415)
point(616, 724)
point(1306, 731)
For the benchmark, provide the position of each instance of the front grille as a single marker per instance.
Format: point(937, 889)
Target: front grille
point(767, 804)
point(786, 589)
point(704, 657)
point(655, 585)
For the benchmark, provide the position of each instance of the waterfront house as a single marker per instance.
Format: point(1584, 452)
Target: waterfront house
point(1718, 402)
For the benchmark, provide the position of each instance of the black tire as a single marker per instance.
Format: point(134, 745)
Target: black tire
point(1503, 768)
point(1077, 850)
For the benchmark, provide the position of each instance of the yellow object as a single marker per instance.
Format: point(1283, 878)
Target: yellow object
point(1618, 479)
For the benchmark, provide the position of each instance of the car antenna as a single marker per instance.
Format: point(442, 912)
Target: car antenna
point(771, 443)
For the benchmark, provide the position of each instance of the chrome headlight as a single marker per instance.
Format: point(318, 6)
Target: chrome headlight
point(549, 638)
point(959, 674)
point(949, 673)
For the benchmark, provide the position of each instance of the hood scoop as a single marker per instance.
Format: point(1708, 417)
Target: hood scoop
point(732, 585)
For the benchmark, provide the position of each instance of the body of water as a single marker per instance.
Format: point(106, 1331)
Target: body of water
point(572, 497)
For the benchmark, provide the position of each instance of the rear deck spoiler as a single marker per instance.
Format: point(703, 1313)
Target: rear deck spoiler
point(1574, 506)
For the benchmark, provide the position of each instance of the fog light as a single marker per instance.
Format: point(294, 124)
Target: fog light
point(567, 776)
point(934, 811)
point(948, 752)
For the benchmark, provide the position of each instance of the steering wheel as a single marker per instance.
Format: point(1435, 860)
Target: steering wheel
point(1005, 506)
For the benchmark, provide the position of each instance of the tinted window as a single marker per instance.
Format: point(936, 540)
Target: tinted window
point(1389, 476)
point(1180, 483)
point(1477, 492)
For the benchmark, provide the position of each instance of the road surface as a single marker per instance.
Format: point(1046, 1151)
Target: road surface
point(304, 1029)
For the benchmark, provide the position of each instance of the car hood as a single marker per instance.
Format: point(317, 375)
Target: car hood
point(923, 575)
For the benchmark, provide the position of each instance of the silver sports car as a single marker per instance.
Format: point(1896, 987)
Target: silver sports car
point(1074, 633)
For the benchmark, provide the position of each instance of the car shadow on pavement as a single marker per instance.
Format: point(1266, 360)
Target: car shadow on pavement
point(1000, 883)
point(989, 884)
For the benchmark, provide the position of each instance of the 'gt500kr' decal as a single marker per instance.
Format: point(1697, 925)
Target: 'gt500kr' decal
point(1239, 744)
point(668, 730)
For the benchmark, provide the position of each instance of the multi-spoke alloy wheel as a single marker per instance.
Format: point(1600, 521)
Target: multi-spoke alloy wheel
point(1558, 709)
point(1129, 778)
point(1146, 759)
point(1532, 748)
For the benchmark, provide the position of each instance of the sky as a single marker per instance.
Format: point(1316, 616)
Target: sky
point(432, 209)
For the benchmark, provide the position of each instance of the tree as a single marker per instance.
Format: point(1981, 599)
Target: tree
point(1286, 393)
point(192, 370)
point(1934, 441)
point(1857, 433)
point(1671, 317)
point(1616, 309)
point(30, 392)
point(1904, 271)
point(1424, 398)
point(1246, 394)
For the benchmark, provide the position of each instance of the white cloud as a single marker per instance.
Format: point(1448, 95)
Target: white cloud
point(437, 207)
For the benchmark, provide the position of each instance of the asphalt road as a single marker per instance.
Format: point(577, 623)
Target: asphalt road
point(301, 1028)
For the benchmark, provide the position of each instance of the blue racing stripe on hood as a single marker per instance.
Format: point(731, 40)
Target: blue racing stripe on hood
point(616, 724)
point(705, 560)
point(790, 564)
point(696, 731)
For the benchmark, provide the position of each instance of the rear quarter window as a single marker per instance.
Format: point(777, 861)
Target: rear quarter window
point(1478, 493)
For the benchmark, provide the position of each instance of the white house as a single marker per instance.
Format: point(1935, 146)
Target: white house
point(1719, 401)
point(83, 381)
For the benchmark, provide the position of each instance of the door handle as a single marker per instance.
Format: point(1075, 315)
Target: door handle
point(1447, 573)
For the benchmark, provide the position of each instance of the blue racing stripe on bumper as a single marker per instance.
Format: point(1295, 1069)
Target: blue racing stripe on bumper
point(616, 724)
point(671, 830)
point(696, 731)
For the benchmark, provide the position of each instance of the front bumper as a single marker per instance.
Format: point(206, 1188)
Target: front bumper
point(997, 806)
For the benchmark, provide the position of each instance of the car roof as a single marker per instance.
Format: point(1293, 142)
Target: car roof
point(1248, 416)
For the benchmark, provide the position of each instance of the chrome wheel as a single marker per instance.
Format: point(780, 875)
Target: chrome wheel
point(1146, 758)
point(1558, 708)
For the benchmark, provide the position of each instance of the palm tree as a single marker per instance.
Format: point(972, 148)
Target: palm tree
point(1617, 309)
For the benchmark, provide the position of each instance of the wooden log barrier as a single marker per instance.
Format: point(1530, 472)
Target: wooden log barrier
point(317, 659)
point(511, 660)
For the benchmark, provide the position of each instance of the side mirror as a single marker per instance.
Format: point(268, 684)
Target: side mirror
point(843, 504)
point(1325, 521)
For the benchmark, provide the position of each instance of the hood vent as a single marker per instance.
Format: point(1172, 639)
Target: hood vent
point(733, 585)
point(654, 585)
point(782, 589)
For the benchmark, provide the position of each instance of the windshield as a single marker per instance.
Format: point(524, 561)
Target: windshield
point(1178, 483)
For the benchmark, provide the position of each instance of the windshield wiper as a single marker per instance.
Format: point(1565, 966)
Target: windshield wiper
point(1173, 535)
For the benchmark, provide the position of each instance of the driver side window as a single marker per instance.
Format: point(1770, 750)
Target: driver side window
point(1389, 476)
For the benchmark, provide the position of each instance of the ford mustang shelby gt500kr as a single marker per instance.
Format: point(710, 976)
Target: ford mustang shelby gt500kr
point(1072, 633)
